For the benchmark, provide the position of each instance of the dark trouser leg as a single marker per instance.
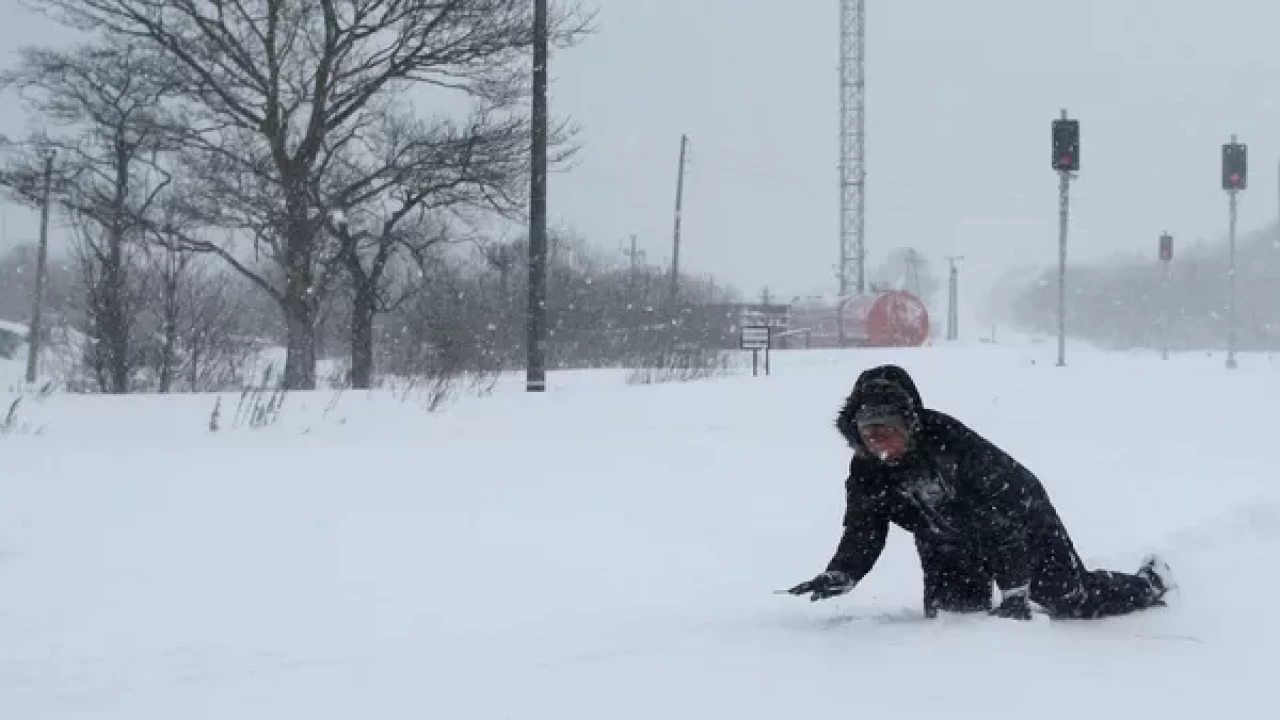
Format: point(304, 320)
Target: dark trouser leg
point(955, 579)
point(1066, 589)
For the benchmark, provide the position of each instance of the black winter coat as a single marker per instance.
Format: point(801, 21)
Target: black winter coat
point(953, 490)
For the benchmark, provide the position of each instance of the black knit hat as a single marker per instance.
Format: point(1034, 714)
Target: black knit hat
point(883, 403)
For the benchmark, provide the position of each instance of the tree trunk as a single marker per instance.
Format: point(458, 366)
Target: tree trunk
point(117, 338)
point(196, 346)
point(115, 324)
point(168, 354)
point(364, 308)
point(300, 344)
point(114, 340)
point(301, 299)
point(166, 362)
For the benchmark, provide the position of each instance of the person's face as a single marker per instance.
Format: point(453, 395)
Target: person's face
point(887, 442)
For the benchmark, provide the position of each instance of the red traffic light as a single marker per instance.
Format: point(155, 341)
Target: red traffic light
point(1066, 145)
point(1235, 166)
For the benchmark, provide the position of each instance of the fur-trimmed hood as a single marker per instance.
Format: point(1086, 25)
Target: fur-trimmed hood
point(867, 382)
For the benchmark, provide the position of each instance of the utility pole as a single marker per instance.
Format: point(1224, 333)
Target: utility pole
point(42, 259)
point(675, 240)
point(1234, 179)
point(953, 299)
point(1166, 256)
point(912, 279)
point(633, 255)
point(1066, 160)
point(536, 341)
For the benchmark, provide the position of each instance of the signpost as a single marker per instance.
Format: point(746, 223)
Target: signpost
point(756, 338)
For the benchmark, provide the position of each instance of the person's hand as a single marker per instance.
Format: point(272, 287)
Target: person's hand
point(826, 585)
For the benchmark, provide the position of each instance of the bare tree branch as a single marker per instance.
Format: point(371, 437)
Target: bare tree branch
point(102, 106)
point(276, 98)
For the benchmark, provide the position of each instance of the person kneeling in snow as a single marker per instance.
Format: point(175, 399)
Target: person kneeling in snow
point(978, 516)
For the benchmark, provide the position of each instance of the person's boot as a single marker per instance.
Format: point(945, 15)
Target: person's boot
point(1156, 572)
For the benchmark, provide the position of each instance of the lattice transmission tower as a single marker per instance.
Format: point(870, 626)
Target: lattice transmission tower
point(853, 249)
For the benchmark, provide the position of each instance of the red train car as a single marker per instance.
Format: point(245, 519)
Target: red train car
point(891, 318)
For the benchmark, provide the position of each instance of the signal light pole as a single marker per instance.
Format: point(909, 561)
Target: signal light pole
point(1066, 160)
point(1235, 177)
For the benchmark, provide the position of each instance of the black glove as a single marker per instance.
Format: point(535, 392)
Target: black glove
point(827, 585)
point(1014, 606)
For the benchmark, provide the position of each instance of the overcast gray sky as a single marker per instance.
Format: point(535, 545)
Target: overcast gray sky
point(960, 96)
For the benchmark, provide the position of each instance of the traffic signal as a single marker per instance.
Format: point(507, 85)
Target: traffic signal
point(1166, 247)
point(1235, 166)
point(1066, 145)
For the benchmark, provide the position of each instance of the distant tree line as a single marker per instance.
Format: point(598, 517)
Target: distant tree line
point(461, 311)
point(1124, 303)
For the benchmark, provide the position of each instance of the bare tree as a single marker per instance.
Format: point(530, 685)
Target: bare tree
point(367, 259)
point(103, 104)
point(17, 275)
point(196, 321)
point(441, 334)
point(214, 327)
point(430, 170)
point(600, 314)
point(110, 304)
point(170, 267)
point(908, 269)
point(275, 90)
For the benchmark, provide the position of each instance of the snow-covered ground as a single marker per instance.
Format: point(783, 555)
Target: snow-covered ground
point(607, 551)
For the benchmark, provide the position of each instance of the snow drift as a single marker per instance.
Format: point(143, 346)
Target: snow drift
point(611, 551)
